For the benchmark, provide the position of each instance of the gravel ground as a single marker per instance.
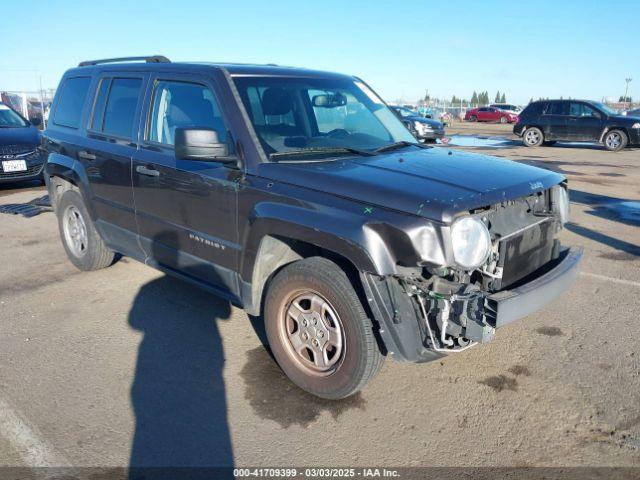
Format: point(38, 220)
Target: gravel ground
point(127, 365)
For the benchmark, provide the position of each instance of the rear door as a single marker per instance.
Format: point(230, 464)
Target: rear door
point(107, 155)
point(186, 209)
point(554, 120)
point(584, 123)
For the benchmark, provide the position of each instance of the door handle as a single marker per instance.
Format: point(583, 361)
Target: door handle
point(150, 172)
point(86, 155)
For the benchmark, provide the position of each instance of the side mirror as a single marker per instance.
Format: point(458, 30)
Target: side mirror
point(201, 144)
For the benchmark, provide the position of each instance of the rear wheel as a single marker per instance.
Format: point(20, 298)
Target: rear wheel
point(80, 239)
point(533, 137)
point(615, 140)
point(318, 330)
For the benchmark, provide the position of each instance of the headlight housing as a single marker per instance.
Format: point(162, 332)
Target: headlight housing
point(562, 203)
point(471, 242)
point(422, 127)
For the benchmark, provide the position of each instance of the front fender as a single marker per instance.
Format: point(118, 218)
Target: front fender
point(340, 232)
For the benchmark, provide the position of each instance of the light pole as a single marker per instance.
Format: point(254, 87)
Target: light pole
point(626, 90)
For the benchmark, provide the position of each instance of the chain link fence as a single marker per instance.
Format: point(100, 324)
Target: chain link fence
point(33, 105)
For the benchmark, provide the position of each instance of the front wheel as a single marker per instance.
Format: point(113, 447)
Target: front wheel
point(318, 330)
point(533, 137)
point(615, 140)
point(473, 118)
point(504, 119)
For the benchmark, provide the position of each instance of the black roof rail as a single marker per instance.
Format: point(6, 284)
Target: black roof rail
point(150, 59)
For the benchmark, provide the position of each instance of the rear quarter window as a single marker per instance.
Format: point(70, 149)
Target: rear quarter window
point(533, 109)
point(71, 102)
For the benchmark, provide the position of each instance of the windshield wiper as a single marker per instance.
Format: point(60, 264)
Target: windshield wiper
point(320, 150)
point(397, 145)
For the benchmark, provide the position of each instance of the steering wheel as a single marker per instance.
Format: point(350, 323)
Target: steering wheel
point(338, 133)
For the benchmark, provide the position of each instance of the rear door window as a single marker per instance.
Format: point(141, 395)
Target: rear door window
point(98, 106)
point(69, 109)
point(120, 108)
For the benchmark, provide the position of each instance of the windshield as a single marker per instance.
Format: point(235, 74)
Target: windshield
point(405, 112)
point(602, 107)
point(9, 118)
point(294, 116)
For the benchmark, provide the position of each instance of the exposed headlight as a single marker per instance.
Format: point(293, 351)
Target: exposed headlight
point(562, 203)
point(422, 127)
point(471, 242)
point(636, 125)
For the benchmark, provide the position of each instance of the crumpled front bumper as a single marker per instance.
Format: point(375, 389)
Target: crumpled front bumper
point(402, 327)
point(508, 306)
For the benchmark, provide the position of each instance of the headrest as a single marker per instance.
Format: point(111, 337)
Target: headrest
point(276, 101)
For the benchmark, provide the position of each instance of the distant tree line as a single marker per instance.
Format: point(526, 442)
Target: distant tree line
point(481, 98)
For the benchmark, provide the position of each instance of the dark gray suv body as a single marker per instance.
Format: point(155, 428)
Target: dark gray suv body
point(300, 197)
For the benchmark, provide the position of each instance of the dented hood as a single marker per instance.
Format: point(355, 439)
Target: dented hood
point(435, 183)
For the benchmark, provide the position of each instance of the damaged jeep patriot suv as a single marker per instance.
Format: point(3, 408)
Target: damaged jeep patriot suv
point(299, 196)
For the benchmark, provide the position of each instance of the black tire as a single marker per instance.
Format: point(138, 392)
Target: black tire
point(473, 118)
point(615, 140)
point(93, 253)
point(360, 358)
point(504, 120)
point(532, 137)
point(549, 143)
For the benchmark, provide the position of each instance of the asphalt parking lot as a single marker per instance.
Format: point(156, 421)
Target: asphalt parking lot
point(127, 365)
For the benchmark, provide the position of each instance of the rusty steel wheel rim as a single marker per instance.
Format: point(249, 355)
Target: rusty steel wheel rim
point(312, 332)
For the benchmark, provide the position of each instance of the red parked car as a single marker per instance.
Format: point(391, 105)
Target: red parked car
point(490, 114)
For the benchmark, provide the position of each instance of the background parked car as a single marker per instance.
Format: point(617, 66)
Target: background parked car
point(422, 128)
point(20, 158)
point(507, 107)
point(545, 122)
point(490, 114)
point(634, 113)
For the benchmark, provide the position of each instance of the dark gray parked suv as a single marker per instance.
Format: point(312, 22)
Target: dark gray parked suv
point(548, 121)
point(300, 197)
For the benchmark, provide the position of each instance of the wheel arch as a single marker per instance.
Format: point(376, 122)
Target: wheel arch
point(608, 128)
point(281, 234)
point(62, 173)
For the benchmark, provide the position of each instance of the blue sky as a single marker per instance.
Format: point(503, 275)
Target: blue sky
point(578, 48)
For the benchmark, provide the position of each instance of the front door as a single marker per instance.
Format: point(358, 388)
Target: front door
point(583, 123)
point(186, 209)
point(483, 114)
